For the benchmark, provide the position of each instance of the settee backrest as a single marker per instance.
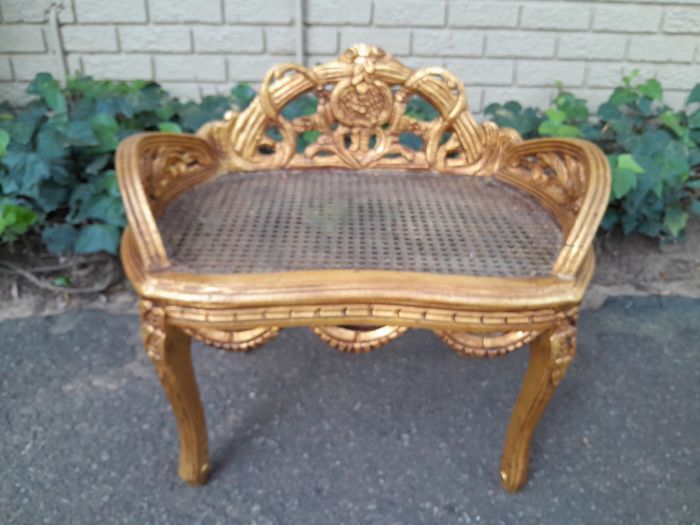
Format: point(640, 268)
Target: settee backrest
point(361, 120)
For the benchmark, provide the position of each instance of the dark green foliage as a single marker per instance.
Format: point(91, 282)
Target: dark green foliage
point(654, 152)
point(57, 155)
point(525, 121)
point(57, 152)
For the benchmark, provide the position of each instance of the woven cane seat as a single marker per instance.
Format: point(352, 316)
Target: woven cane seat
point(418, 221)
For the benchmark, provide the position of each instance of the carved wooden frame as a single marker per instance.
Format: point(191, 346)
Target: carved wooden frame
point(362, 99)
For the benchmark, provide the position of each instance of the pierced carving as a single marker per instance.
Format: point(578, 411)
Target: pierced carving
point(559, 176)
point(164, 165)
point(153, 330)
point(360, 116)
point(234, 340)
point(486, 345)
point(358, 339)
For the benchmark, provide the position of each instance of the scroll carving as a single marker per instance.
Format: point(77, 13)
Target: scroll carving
point(153, 330)
point(360, 116)
point(163, 165)
point(559, 176)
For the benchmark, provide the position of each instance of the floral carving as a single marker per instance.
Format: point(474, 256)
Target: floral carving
point(360, 116)
point(163, 165)
point(559, 175)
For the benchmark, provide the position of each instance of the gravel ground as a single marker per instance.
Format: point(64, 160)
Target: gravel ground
point(300, 434)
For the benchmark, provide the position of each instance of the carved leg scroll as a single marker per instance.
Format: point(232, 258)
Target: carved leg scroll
point(168, 347)
point(550, 356)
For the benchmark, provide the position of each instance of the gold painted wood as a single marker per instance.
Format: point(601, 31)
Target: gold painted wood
point(168, 348)
point(550, 356)
point(486, 345)
point(362, 99)
point(358, 339)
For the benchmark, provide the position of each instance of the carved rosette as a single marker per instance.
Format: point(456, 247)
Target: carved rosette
point(234, 340)
point(153, 330)
point(358, 340)
point(486, 345)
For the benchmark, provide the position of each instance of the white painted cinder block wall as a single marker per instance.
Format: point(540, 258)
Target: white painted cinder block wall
point(502, 50)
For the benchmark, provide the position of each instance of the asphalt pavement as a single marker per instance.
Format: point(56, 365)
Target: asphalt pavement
point(301, 434)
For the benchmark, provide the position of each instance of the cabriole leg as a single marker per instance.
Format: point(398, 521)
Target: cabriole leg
point(168, 347)
point(550, 355)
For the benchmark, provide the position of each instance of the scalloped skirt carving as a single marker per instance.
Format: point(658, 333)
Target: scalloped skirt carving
point(235, 340)
point(358, 339)
point(486, 345)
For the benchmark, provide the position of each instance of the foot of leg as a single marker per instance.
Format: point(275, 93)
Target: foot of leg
point(550, 356)
point(168, 347)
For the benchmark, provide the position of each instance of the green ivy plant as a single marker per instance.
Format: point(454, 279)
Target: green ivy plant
point(15, 219)
point(58, 165)
point(653, 151)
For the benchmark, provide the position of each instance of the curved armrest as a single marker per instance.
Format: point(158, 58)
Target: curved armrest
point(572, 178)
point(152, 168)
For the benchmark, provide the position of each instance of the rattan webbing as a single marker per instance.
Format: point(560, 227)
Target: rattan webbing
point(385, 220)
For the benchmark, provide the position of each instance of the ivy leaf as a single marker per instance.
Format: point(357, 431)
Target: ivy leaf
point(59, 238)
point(15, 220)
point(672, 122)
point(97, 164)
point(115, 105)
point(48, 89)
point(644, 106)
point(622, 96)
point(50, 144)
point(110, 184)
point(105, 208)
point(27, 170)
point(556, 117)
point(651, 88)
point(694, 95)
point(243, 95)
point(694, 119)
point(624, 175)
point(675, 220)
point(51, 196)
point(105, 128)
point(169, 127)
point(80, 134)
point(627, 162)
point(623, 181)
point(548, 129)
point(96, 238)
